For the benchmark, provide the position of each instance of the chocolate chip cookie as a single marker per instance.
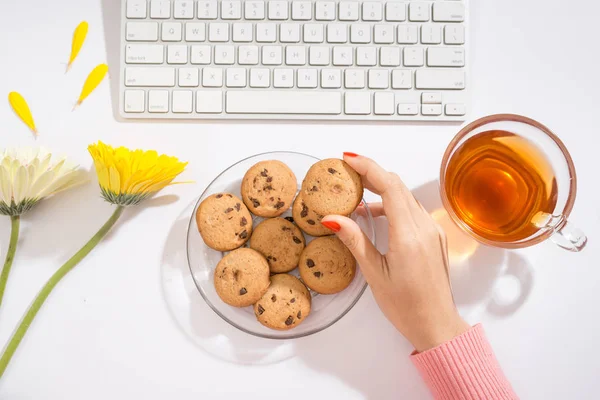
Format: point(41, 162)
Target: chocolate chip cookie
point(224, 222)
point(285, 304)
point(268, 188)
point(332, 187)
point(308, 220)
point(327, 266)
point(242, 277)
point(280, 241)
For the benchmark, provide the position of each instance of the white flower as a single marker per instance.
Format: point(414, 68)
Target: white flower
point(28, 175)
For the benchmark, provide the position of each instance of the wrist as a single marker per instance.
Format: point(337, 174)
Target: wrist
point(439, 331)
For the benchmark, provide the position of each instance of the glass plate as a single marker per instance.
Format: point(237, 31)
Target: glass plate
point(326, 309)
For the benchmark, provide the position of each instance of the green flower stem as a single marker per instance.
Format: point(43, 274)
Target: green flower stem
point(10, 349)
point(10, 256)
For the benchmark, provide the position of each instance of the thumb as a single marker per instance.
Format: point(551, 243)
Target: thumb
point(355, 240)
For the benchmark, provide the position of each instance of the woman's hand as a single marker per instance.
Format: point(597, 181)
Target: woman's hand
point(410, 283)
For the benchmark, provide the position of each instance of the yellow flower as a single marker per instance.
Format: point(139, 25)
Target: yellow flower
point(28, 175)
point(127, 177)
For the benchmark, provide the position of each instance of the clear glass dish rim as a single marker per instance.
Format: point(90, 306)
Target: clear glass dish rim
point(207, 301)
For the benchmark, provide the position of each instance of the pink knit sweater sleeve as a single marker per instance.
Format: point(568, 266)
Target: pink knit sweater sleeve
point(464, 368)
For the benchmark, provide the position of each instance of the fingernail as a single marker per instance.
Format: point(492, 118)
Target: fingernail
point(349, 154)
point(361, 204)
point(334, 226)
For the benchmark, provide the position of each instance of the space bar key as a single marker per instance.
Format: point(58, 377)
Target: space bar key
point(282, 102)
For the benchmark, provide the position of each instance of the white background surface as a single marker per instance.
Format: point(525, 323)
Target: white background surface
point(127, 323)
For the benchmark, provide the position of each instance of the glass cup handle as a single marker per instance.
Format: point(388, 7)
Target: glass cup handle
point(568, 236)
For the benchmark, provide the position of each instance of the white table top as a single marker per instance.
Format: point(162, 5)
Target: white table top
point(128, 323)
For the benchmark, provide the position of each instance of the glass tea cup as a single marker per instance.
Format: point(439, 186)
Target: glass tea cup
point(550, 224)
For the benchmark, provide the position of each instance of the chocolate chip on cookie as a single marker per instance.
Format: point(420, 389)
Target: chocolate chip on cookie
point(268, 188)
point(308, 220)
point(223, 221)
point(327, 266)
point(285, 304)
point(242, 277)
point(280, 241)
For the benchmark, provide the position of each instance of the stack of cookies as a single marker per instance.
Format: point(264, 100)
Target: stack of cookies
point(258, 275)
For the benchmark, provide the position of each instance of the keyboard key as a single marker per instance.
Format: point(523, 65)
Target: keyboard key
point(283, 78)
point(313, 33)
point(384, 103)
point(231, 9)
point(408, 34)
point(372, 11)
point(248, 55)
point(348, 10)
point(366, 56)
point(337, 33)
point(171, 32)
point(454, 34)
point(160, 9)
point(408, 109)
point(201, 55)
point(295, 55)
point(141, 31)
point(456, 109)
point(224, 55)
point(278, 10)
point(357, 103)
point(218, 32)
point(144, 54)
point(389, 56)
point(431, 98)
point(319, 55)
point(254, 10)
point(266, 32)
point(283, 102)
point(209, 101)
point(259, 77)
point(440, 79)
point(360, 33)
point(136, 9)
point(413, 57)
point(384, 33)
point(331, 78)
point(324, 10)
point(448, 11)
point(379, 78)
point(181, 101)
point(183, 9)
point(431, 34)
point(242, 32)
point(134, 101)
point(301, 10)
point(212, 77)
point(354, 78)
point(271, 55)
point(307, 78)
point(195, 32)
point(236, 77)
point(177, 54)
point(207, 9)
point(343, 55)
point(418, 11)
point(144, 76)
point(431, 109)
point(402, 79)
point(395, 11)
point(446, 57)
point(158, 101)
point(289, 33)
point(188, 77)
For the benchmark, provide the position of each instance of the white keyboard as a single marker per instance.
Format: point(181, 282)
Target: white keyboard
point(326, 60)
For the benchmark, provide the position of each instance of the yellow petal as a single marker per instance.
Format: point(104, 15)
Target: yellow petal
point(21, 108)
point(78, 39)
point(92, 81)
